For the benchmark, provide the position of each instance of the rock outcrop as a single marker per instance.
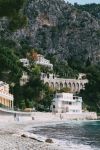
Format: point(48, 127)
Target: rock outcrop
point(58, 27)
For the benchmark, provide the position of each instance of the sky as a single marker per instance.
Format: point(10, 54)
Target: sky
point(83, 1)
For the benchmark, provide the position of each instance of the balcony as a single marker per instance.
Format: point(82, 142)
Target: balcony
point(6, 96)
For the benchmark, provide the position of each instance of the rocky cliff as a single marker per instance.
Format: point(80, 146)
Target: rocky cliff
point(56, 27)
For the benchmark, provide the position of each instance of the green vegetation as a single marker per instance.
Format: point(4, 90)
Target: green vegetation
point(91, 94)
point(9, 62)
point(11, 9)
point(63, 68)
point(66, 90)
point(93, 9)
point(34, 93)
point(17, 22)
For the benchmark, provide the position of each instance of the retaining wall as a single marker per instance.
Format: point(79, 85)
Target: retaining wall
point(66, 116)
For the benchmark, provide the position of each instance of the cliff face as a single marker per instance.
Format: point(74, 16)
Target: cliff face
point(54, 26)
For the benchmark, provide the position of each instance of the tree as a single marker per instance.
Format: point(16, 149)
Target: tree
point(91, 94)
point(32, 89)
point(48, 94)
point(22, 104)
point(10, 7)
point(10, 63)
point(65, 90)
point(88, 62)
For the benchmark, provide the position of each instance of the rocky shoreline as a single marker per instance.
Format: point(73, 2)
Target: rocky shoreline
point(14, 137)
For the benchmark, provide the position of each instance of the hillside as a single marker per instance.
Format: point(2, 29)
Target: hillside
point(56, 27)
point(93, 9)
point(67, 35)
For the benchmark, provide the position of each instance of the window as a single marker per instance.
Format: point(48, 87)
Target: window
point(66, 102)
point(47, 75)
point(53, 106)
point(70, 103)
point(59, 96)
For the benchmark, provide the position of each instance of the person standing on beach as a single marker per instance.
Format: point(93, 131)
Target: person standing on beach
point(33, 118)
point(15, 116)
point(61, 117)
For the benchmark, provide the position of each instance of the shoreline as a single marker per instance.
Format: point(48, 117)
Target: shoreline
point(11, 137)
point(11, 130)
point(61, 143)
point(15, 135)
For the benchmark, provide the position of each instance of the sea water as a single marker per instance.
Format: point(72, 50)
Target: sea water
point(80, 135)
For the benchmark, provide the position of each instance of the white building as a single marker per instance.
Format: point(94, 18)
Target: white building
point(24, 79)
point(25, 62)
point(6, 99)
point(42, 61)
point(67, 103)
point(81, 76)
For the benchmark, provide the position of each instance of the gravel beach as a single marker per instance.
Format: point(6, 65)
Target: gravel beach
point(11, 139)
point(11, 131)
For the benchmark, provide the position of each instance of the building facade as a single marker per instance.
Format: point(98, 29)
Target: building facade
point(24, 79)
point(25, 62)
point(75, 85)
point(6, 99)
point(54, 82)
point(66, 103)
point(42, 61)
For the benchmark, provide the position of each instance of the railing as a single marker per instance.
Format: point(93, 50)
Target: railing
point(6, 95)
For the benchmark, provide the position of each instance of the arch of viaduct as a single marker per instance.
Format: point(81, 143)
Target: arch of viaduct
point(58, 83)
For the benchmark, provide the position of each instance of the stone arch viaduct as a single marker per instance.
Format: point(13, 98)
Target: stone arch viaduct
point(58, 83)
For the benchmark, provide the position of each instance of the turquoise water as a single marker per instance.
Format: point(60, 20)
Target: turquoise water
point(80, 135)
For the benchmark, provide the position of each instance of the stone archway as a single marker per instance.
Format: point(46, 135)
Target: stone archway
point(77, 87)
point(81, 86)
point(57, 85)
point(61, 85)
point(73, 87)
point(69, 85)
point(47, 84)
point(52, 85)
point(65, 85)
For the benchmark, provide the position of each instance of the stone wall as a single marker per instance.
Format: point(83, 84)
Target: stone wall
point(58, 83)
point(65, 116)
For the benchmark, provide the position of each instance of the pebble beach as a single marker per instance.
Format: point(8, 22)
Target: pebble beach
point(15, 135)
point(8, 141)
point(11, 136)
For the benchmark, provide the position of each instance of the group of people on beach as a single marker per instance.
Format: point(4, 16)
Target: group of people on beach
point(16, 117)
